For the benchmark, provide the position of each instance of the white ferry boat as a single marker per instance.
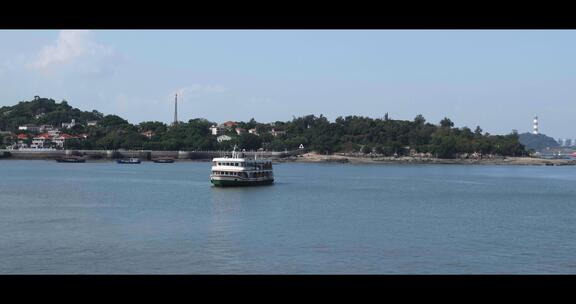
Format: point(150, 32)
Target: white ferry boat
point(239, 171)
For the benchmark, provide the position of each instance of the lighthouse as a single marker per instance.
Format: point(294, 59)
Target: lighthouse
point(535, 126)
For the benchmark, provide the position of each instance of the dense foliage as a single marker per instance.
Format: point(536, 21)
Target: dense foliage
point(346, 134)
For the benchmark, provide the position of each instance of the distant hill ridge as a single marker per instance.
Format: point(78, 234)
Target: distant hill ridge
point(42, 111)
point(537, 142)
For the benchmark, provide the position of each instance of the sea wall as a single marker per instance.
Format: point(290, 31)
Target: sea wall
point(142, 154)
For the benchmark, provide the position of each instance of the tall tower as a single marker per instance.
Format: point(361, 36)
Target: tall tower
point(175, 109)
point(535, 126)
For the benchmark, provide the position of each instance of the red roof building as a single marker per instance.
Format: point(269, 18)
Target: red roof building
point(66, 136)
point(43, 136)
point(230, 124)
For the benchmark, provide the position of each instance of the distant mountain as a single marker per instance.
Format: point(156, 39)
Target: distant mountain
point(537, 142)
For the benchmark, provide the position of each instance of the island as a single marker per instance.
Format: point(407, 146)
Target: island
point(44, 125)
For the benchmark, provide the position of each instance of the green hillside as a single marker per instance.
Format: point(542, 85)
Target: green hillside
point(384, 136)
point(43, 111)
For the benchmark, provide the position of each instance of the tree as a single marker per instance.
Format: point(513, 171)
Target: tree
point(478, 131)
point(113, 122)
point(419, 120)
point(446, 123)
point(249, 141)
point(155, 126)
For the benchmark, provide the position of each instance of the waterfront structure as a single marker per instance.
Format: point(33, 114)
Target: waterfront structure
point(38, 142)
point(535, 126)
point(61, 140)
point(20, 141)
point(240, 171)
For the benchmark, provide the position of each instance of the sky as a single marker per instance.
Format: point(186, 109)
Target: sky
point(496, 79)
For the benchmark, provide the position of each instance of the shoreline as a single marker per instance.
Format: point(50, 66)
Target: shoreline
point(335, 158)
point(312, 157)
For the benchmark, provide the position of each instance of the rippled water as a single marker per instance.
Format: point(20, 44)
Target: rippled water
point(317, 218)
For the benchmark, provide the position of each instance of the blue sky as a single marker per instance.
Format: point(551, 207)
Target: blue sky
point(496, 79)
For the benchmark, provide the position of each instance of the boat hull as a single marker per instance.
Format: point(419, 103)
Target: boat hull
point(240, 183)
point(65, 160)
point(127, 162)
point(163, 161)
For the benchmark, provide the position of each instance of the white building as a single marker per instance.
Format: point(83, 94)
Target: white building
point(61, 140)
point(69, 125)
point(46, 128)
point(54, 133)
point(277, 132)
point(40, 141)
point(29, 127)
point(222, 138)
point(92, 123)
point(217, 130)
point(253, 131)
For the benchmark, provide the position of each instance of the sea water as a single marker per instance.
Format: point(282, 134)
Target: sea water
point(102, 217)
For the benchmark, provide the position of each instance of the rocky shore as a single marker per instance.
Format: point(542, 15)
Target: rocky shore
point(336, 158)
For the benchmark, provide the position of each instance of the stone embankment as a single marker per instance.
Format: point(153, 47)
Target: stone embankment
point(336, 158)
point(142, 154)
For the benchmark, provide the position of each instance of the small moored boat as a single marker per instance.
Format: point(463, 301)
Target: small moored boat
point(131, 160)
point(163, 160)
point(71, 160)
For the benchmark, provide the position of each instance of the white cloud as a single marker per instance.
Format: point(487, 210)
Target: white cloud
point(197, 89)
point(76, 50)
